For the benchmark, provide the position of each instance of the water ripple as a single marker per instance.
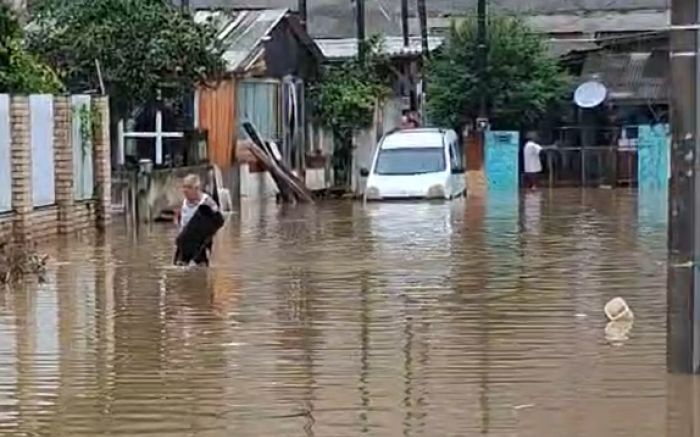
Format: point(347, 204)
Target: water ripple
point(479, 317)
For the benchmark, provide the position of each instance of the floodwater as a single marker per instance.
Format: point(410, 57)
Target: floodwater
point(483, 317)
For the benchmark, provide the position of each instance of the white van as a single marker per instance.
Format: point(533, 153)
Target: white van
point(416, 164)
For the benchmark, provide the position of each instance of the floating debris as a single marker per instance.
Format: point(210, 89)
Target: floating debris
point(617, 310)
point(617, 332)
point(19, 261)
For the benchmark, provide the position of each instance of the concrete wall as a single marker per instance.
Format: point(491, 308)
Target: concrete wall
point(253, 182)
point(387, 117)
point(26, 218)
point(256, 185)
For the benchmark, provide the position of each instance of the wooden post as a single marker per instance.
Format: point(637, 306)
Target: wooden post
point(360, 19)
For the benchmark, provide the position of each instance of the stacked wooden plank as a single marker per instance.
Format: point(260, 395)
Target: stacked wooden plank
point(292, 189)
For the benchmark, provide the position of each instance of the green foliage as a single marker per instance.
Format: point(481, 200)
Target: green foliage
point(145, 48)
point(522, 81)
point(85, 115)
point(20, 71)
point(345, 97)
point(346, 94)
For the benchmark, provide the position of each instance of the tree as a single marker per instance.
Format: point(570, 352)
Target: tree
point(522, 82)
point(146, 49)
point(20, 71)
point(345, 97)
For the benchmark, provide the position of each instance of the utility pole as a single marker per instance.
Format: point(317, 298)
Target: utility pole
point(408, 67)
point(683, 293)
point(188, 99)
point(423, 19)
point(302, 13)
point(425, 49)
point(404, 23)
point(481, 55)
point(360, 17)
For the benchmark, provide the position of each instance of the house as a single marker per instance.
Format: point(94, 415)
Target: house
point(269, 58)
point(335, 18)
point(635, 70)
point(407, 61)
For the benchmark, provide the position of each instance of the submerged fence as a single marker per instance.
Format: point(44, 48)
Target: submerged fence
point(54, 164)
point(645, 162)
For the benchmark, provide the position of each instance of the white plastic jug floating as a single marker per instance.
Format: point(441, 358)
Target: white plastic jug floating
point(617, 333)
point(617, 309)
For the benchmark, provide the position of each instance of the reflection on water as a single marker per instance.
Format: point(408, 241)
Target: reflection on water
point(479, 317)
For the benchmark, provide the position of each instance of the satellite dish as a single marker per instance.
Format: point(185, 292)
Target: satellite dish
point(590, 94)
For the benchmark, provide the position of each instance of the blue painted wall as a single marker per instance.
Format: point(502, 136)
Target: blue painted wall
point(501, 163)
point(653, 173)
point(653, 158)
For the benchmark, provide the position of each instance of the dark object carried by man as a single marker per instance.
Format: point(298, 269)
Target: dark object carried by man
point(196, 237)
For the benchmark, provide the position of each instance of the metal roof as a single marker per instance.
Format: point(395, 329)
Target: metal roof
point(242, 32)
point(414, 138)
point(458, 6)
point(561, 47)
point(345, 48)
point(335, 18)
point(640, 76)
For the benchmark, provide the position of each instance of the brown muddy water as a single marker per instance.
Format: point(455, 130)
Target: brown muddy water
point(482, 317)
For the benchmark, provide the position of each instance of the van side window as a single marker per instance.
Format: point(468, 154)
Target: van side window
point(454, 158)
point(459, 152)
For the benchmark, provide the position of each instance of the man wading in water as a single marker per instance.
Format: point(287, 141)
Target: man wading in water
point(194, 198)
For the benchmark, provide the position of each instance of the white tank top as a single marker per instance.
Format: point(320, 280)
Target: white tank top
point(188, 210)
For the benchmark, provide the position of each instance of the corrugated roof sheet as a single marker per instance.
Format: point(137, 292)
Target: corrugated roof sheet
point(561, 47)
point(335, 18)
point(242, 32)
point(591, 23)
point(345, 48)
point(630, 76)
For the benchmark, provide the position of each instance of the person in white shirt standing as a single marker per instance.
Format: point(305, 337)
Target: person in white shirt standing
point(531, 159)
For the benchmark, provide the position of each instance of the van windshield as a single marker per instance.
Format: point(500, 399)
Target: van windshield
point(408, 161)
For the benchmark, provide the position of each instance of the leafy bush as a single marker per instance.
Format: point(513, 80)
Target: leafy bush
point(20, 71)
point(522, 82)
point(345, 97)
point(146, 48)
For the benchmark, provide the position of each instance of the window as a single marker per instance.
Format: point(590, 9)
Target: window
point(454, 157)
point(409, 161)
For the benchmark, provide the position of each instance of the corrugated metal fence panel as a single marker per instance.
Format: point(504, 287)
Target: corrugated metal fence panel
point(5, 155)
point(217, 116)
point(258, 102)
point(41, 135)
point(83, 181)
point(502, 160)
